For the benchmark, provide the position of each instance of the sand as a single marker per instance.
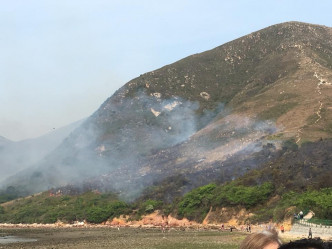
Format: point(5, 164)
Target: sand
point(95, 238)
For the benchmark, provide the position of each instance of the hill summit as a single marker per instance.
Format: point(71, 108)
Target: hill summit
point(210, 116)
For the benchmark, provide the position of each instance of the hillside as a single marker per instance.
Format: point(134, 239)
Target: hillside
point(233, 203)
point(210, 116)
point(290, 169)
point(16, 156)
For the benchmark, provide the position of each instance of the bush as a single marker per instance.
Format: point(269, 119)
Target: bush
point(100, 214)
point(196, 204)
point(233, 195)
point(320, 202)
point(45, 209)
point(97, 215)
point(117, 208)
point(290, 145)
point(149, 206)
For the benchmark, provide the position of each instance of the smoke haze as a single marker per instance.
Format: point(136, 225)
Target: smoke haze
point(120, 146)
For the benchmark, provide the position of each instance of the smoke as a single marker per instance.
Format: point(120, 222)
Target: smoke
point(149, 121)
point(236, 134)
point(16, 156)
point(116, 138)
point(133, 141)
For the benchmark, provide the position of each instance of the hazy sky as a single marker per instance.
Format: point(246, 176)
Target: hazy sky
point(61, 59)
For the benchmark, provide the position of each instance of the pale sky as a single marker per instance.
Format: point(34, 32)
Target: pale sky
point(61, 59)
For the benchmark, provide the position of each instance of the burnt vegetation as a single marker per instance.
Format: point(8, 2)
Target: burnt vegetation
point(297, 179)
point(211, 130)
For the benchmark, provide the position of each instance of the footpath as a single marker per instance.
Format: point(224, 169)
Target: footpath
point(301, 229)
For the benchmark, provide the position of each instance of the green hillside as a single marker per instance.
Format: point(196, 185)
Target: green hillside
point(195, 205)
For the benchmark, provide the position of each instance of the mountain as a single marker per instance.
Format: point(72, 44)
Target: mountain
point(15, 156)
point(211, 116)
point(4, 141)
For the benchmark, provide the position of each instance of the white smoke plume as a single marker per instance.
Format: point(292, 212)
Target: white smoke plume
point(120, 144)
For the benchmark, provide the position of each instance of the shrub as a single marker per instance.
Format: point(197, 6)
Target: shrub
point(97, 215)
point(196, 204)
point(320, 202)
point(149, 206)
point(232, 194)
point(290, 145)
point(117, 208)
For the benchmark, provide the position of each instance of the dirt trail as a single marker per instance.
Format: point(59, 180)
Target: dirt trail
point(321, 82)
point(319, 91)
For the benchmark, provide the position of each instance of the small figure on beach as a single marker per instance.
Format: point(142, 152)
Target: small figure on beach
point(310, 233)
point(282, 229)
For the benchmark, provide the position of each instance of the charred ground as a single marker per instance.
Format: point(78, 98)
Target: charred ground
point(209, 117)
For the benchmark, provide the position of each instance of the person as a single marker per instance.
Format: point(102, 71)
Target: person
point(249, 228)
point(301, 215)
point(222, 227)
point(307, 244)
point(282, 229)
point(310, 233)
point(267, 239)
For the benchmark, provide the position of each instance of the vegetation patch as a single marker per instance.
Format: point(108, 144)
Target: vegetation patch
point(312, 119)
point(276, 111)
point(318, 201)
point(329, 127)
point(276, 136)
point(286, 96)
point(196, 204)
point(97, 208)
point(234, 195)
point(89, 206)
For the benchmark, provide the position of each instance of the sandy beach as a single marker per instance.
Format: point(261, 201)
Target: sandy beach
point(50, 236)
point(88, 238)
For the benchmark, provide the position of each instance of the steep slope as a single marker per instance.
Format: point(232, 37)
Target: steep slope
point(305, 168)
point(232, 105)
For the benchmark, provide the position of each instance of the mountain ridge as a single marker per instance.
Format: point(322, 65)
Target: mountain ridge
point(268, 87)
point(18, 155)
